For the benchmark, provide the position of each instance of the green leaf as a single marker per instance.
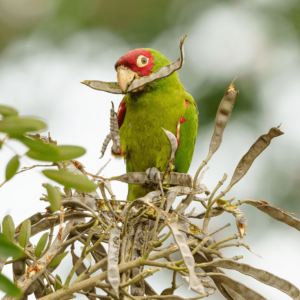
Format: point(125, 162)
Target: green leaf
point(39, 146)
point(6, 111)
point(71, 180)
point(16, 126)
point(53, 198)
point(56, 285)
point(8, 227)
point(25, 233)
point(58, 259)
point(12, 167)
point(70, 152)
point(8, 248)
point(1, 144)
point(9, 288)
point(41, 245)
point(64, 153)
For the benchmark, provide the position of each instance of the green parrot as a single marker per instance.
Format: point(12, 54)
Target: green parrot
point(143, 113)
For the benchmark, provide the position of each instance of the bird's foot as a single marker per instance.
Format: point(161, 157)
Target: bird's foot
point(151, 173)
point(113, 135)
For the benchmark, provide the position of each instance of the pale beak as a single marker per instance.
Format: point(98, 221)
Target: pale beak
point(125, 77)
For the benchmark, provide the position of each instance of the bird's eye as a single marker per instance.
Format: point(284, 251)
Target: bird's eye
point(142, 61)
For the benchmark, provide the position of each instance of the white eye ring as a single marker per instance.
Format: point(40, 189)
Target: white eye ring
point(142, 61)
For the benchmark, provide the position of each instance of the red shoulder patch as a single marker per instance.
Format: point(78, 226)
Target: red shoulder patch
point(182, 120)
point(121, 113)
point(187, 103)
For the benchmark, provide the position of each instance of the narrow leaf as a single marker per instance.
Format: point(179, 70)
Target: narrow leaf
point(8, 248)
point(8, 227)
point(41, 245)
point(9, 288)
point(63, 153)
point(71, 180)
point(6, 111)
point(56, 285)
point(16, 126)
point(25, 233)
point(53, 197)
point(58, 259)
point(12, 167)
point(70, 152)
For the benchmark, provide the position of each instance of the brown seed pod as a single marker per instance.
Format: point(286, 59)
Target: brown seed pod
point(113, 275)
point(256, 149)
point(142, 178)
point(139, 245)
point(222, 118)
point(195, 283)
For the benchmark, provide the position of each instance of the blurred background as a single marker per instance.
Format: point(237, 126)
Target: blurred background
point(48, 46)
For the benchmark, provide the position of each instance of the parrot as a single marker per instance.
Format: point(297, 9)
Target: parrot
point(143, 113)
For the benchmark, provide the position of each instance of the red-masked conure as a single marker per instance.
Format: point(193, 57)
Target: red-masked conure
point(160, 103)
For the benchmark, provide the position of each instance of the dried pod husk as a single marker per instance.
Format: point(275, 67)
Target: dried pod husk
point(171, 196)
point(260, 275)
point(241, 221)
point(195, 283)
point(113, 275)
point(33, 220)
point(275, 212)
point(109, 87)
point(222, 118)
point(174, 178)
point(237, 287)
point(256, 149)
point(139, 246)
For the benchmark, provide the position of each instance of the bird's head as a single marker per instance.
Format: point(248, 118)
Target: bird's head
point(138, 63)
point(138, 69)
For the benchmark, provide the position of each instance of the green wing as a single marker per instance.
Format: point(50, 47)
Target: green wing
point(187, 136)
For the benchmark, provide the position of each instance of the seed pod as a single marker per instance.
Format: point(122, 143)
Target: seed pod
point(139, 246)
point(113, 275)
point(171, 196)
point(174, 178)
point(275, 212)
point(195, 283)
point(222, 117)
point(256, 149)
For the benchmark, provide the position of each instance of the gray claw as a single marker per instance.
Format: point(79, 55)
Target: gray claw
point(151, 172)
point(113, 135)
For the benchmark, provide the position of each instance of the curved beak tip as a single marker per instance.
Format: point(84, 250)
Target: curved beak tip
point(125, 77)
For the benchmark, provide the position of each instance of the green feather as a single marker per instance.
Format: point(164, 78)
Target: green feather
point(160, 104)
